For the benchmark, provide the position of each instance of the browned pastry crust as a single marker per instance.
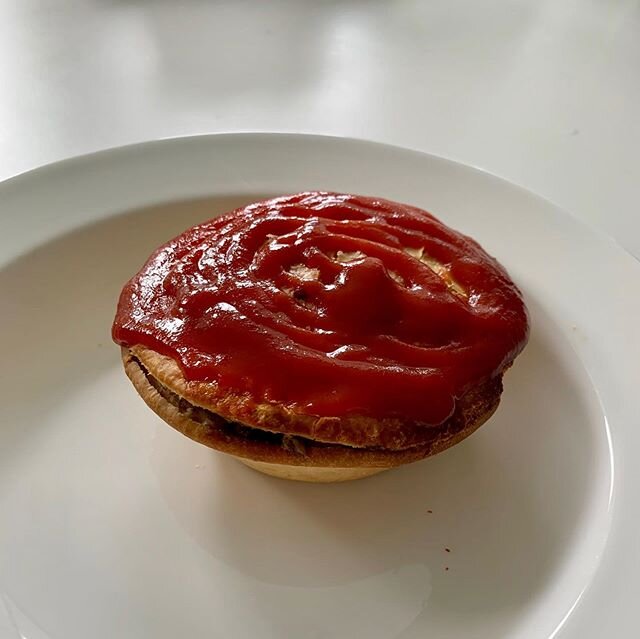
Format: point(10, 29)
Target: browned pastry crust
point(274, 434)
point(351, 430)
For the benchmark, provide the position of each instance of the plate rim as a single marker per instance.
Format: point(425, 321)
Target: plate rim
point(68, 162)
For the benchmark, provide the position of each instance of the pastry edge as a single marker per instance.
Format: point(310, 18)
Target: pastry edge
point(267, 456)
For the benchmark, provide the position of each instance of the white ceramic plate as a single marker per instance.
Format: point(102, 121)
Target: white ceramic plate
point(114, 525)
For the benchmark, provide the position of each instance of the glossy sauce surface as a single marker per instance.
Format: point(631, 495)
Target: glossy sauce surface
point(331, 304)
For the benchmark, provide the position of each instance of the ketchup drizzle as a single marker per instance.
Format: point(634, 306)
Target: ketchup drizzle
point(331, 304)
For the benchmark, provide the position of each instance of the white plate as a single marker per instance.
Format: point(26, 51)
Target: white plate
point(114, 525)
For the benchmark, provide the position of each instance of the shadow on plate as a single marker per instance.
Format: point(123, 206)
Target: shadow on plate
point(507, 503)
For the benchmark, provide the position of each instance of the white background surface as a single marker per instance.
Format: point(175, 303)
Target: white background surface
point(545, 93)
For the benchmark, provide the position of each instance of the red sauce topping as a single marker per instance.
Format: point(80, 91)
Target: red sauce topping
point(331, 304)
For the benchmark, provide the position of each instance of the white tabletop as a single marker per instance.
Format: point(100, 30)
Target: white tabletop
point(545, 93)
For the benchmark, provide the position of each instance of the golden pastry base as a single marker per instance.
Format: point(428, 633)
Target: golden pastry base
point(312, 474)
